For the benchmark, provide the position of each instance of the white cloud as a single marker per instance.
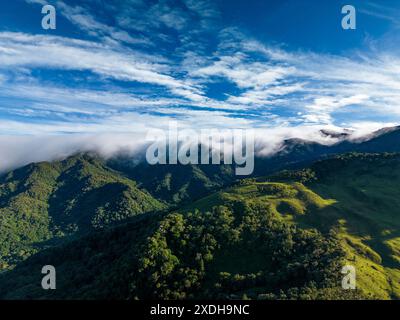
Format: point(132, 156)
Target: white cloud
point(315, 84)
point(21, 150)
point(330, 103)
point(81, 17)
point(381, 12)
point(69, 54)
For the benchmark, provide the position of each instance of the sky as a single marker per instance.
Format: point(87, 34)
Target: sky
point(114, 67)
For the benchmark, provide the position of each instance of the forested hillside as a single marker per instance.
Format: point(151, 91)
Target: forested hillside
point(282, 236)
point(42, 203)
point(177, 184)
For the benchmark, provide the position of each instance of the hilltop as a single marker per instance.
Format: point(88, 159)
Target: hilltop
point(43, 203)
point(282, 236)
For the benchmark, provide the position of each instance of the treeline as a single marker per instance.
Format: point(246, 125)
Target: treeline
point(242, 251)
point(323, 169)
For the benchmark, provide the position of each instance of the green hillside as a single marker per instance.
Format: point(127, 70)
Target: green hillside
point(285, 236)
point(177, 184)
point(226, 253)
point(42, 203)
point(357, 196)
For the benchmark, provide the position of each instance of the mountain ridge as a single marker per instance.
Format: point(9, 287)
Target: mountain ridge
point(46, 200)
point(344, 206)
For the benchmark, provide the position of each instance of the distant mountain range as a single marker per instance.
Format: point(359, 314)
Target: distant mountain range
point(297, 152)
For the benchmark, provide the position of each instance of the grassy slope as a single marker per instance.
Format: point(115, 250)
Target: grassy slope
point(227, 253)
point(367, 210)
point(358, 196)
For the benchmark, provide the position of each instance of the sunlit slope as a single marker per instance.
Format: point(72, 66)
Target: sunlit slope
point(285, 236)
point(229, 252)
point(356, 195)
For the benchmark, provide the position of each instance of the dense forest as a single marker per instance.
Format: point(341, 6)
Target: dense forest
point(282, 236)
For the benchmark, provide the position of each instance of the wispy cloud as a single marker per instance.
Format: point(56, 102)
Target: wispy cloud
point(53, 52)
point(310, 87)
point(134, 65)
point(81, 17)
point(381, 11)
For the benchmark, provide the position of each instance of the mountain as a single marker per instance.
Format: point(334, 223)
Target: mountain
point(284, 236)
point(336, 134)
point(177, 184)
point(44, 202)
point(296, 153)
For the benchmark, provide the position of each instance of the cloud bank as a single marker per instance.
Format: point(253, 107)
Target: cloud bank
point(17, 151)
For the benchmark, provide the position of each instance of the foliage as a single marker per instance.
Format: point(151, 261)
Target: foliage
point(45, 201)
point(286, 236)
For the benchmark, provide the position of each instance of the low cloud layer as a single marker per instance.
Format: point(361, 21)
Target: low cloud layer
point(17, 151)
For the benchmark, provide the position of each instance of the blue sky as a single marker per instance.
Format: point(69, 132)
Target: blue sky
point(125, 66)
